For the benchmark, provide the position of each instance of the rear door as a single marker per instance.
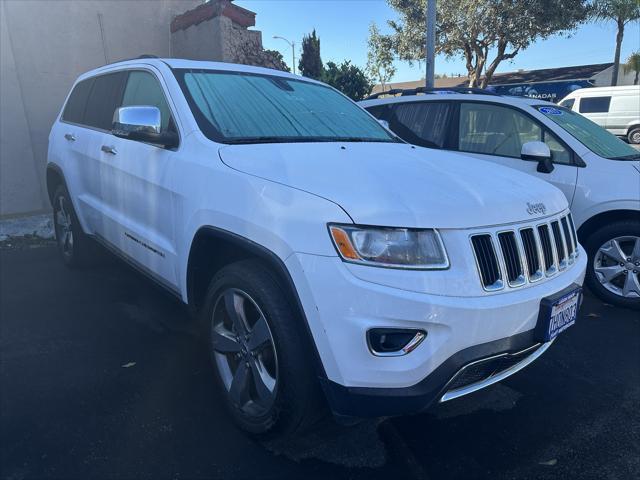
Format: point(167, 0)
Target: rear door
point(87, 119)
point(421, 123)
point(496, 133)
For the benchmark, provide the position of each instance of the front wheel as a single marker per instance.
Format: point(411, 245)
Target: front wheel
point(613, 272)
point(258, 352)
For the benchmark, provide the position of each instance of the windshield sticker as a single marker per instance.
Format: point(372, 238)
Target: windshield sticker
point(550, 111)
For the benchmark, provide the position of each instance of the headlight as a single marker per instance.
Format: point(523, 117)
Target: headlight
point(419, 249)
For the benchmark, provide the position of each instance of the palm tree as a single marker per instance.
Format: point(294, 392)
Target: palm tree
point(633, 65)
point(621, 12)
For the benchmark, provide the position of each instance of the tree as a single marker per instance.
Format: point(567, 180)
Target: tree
point(252, 53)
point(621, 12)
point(379, 57)
point(633, 65)
point(348, 78)
point(474, 29)
point(310, 64)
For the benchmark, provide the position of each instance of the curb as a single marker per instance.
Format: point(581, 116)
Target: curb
point(40, 226)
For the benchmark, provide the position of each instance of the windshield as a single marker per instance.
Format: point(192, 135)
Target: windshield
point(592, 136)
point(240, 107)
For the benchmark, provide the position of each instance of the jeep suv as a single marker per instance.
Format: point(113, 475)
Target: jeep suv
point(598, 173)
point(331, 263)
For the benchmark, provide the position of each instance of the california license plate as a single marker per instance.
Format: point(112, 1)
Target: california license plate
point(557, 313)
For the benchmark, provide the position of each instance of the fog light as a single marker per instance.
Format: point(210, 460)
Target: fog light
point(392, 342)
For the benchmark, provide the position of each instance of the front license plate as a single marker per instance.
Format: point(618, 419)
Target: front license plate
point(557, 313)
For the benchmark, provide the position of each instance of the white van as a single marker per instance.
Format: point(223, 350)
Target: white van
point(615, 108)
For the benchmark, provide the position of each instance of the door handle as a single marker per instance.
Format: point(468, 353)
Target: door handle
point(108, 149)
point(70, 136)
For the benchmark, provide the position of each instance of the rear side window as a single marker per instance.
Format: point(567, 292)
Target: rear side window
point(421, 123)
point(594, 104)
point(104, 98)
point(74, 110)
point(143, 89)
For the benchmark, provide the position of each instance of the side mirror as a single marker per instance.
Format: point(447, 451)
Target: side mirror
point(144, 124)
point(538, 152)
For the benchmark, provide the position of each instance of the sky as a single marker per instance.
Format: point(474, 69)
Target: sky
point(343, 25)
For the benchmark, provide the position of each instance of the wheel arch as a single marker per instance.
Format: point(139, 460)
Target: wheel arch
point(603, 218)
point(231, 247)
point(54, 178)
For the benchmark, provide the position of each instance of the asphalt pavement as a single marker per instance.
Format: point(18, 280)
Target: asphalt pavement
point(102, 375)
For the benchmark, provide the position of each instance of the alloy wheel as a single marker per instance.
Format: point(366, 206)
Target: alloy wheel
point(617, 266)
point(64, 232)
point(244, 352)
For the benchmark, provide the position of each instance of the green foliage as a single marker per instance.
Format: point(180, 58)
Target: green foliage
point(380, 56)
point(621, 12)
point(633, 65)
point(617, 10)
point(474, 29)
point(310, 64)
point(276, 60)
point(348, 78)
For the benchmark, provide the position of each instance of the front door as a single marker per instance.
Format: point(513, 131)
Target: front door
point(496, 133)
point(142, 203)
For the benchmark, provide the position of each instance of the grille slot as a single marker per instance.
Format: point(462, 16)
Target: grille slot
point(567, 236)
point(511, 255)
point(530, 245)
point(547, 248)
point(573, 233)
point(487, 262)
point(559, 244)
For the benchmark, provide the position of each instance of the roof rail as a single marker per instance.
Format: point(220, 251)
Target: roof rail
point(441, 90)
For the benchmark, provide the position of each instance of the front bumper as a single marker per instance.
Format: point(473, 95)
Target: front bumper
point(340, 307)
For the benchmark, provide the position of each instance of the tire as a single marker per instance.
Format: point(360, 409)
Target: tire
point(74, 245)
point(633, 136)
point(293, 400)
point(618, 279)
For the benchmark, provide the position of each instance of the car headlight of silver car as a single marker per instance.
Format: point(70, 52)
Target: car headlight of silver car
point(417, 249)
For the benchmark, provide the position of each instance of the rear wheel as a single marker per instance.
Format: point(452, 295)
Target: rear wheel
point(634, 135)
point(613, 272)
point(73, 244)
point(257, 350)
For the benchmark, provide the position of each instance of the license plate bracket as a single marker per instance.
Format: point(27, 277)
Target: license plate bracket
point(558, 312)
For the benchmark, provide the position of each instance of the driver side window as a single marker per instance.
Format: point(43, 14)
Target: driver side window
point(495, 130)
point(144, 90)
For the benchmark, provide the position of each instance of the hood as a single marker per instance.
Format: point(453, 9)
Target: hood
point(391, 184)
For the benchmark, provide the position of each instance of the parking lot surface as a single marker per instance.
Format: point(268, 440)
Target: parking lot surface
point(102, 376)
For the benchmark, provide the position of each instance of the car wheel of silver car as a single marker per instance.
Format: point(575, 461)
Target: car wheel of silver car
point(634, 135)
point(614, 263)
point(259, 352)
point(73, 244)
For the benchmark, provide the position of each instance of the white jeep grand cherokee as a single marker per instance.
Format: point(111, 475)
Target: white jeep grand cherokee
point(332, 263)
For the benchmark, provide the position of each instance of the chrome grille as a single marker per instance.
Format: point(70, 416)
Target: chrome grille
point(516, 257)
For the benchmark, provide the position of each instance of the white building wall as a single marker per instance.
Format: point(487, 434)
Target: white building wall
point(44, 46)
